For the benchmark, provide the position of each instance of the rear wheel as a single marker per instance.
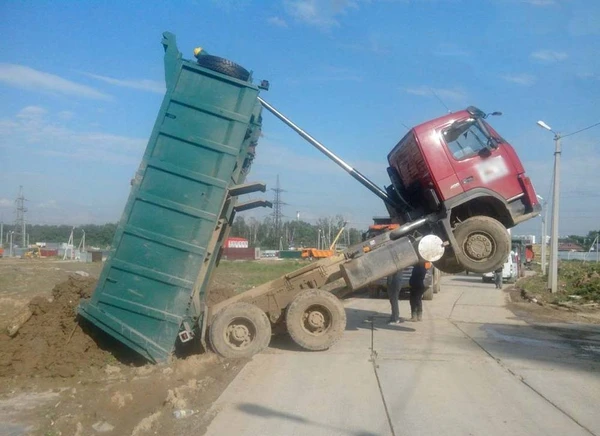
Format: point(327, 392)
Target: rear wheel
point(240, 330)
point(436, 281)
point(483, 244)
point(448, 263)
point(428, 295)
point(315, 319)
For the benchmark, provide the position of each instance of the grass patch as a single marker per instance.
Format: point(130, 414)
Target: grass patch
point(574, 278)
point(244, 275)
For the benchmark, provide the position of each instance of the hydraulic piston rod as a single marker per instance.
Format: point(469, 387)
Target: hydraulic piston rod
point(354, 173)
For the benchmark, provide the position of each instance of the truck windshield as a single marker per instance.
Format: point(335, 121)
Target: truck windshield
point(465, 140)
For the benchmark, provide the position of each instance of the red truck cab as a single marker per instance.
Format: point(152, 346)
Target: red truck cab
point(458, 168)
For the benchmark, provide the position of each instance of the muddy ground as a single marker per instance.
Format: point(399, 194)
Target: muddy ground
point(59, 376)
point(538, 308)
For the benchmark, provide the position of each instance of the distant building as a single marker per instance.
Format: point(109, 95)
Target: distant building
point(234, 242)
point(526, 239)
point(569, 246)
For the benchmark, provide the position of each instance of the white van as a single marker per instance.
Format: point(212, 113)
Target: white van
point(510, 270)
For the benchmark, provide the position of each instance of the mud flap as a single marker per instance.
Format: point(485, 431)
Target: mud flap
point(379, 263)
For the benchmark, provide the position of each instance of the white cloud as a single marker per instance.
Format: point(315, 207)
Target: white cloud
point(428, 91)
point(5, 202)
point(31, 130)
point(318, 13)
point(520, 79)
point(140, 84)
point(31, 112)
point(20, 76)
point(549, 55)
point(277, 22)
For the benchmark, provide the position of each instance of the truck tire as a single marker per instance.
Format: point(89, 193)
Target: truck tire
point(315, 319)
point(448, 263)
point(436, 281)
point(240, 330)
point(483, 244)
point(223, 66)
point(428, 295)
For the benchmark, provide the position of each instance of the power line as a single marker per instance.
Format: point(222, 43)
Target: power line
point(20, 222)
point(587, 128)
point(277, 207)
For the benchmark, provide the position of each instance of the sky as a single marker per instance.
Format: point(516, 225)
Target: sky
point(82, 82)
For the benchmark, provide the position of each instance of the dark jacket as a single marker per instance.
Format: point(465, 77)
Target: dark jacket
point(417, 278)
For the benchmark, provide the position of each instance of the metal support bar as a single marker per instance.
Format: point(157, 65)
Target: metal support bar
point(354, 173)
point(247, 188)
point(402, 230)
point(252, 205)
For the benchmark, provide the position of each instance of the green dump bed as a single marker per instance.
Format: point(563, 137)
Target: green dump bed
point(179, 208)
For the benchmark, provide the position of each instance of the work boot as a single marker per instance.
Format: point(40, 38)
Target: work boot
point(419, 316)
point(413, 317)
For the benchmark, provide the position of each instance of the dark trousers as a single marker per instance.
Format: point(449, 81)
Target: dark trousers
point(498, 280)
point(416, 300)
point(394, 294)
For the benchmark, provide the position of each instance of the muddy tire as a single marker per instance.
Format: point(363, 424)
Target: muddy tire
point(240, 330)
point(428, 295)
point(449, 264)
point(483, 244)
point(315, 319)
point(436, 281)
point(224, 66)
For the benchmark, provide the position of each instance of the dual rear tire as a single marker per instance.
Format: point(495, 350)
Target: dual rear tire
point(315, 320)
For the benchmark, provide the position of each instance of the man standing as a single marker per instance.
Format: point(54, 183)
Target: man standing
point(417, 289)
point(394, 285)
point(498, 278)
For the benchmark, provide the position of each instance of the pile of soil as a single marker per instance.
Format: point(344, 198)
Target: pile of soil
point(218, 294)
point(52, 343)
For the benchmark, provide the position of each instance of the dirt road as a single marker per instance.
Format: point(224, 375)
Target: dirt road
point(471, 367)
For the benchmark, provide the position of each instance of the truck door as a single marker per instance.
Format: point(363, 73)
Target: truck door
point(477, 165)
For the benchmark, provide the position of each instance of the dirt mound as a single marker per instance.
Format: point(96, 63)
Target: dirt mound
point(218, 294)
point(52, 343)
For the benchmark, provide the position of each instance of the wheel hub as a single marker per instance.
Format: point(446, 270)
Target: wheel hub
point(479, 246)
point(316, 320)
point(238, 335)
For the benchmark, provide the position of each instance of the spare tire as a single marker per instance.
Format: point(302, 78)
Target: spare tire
point(224, 66)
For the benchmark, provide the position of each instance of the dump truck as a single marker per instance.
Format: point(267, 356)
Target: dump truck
point(456, 186)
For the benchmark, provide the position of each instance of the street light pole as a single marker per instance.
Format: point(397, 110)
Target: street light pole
point(553, 272)
point(544, 237)
point(553, 282)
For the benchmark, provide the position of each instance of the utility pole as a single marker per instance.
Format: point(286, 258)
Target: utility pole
point(544, 237)
point(553, 276)
point(20, 229)
point(277, 207)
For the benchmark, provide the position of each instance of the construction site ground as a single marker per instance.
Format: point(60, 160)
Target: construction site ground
point(483, 361)
point(59, 376)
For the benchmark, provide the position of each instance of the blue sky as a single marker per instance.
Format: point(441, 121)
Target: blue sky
point(82, 83)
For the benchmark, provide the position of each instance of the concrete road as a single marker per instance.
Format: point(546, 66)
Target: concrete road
point(469, 368)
